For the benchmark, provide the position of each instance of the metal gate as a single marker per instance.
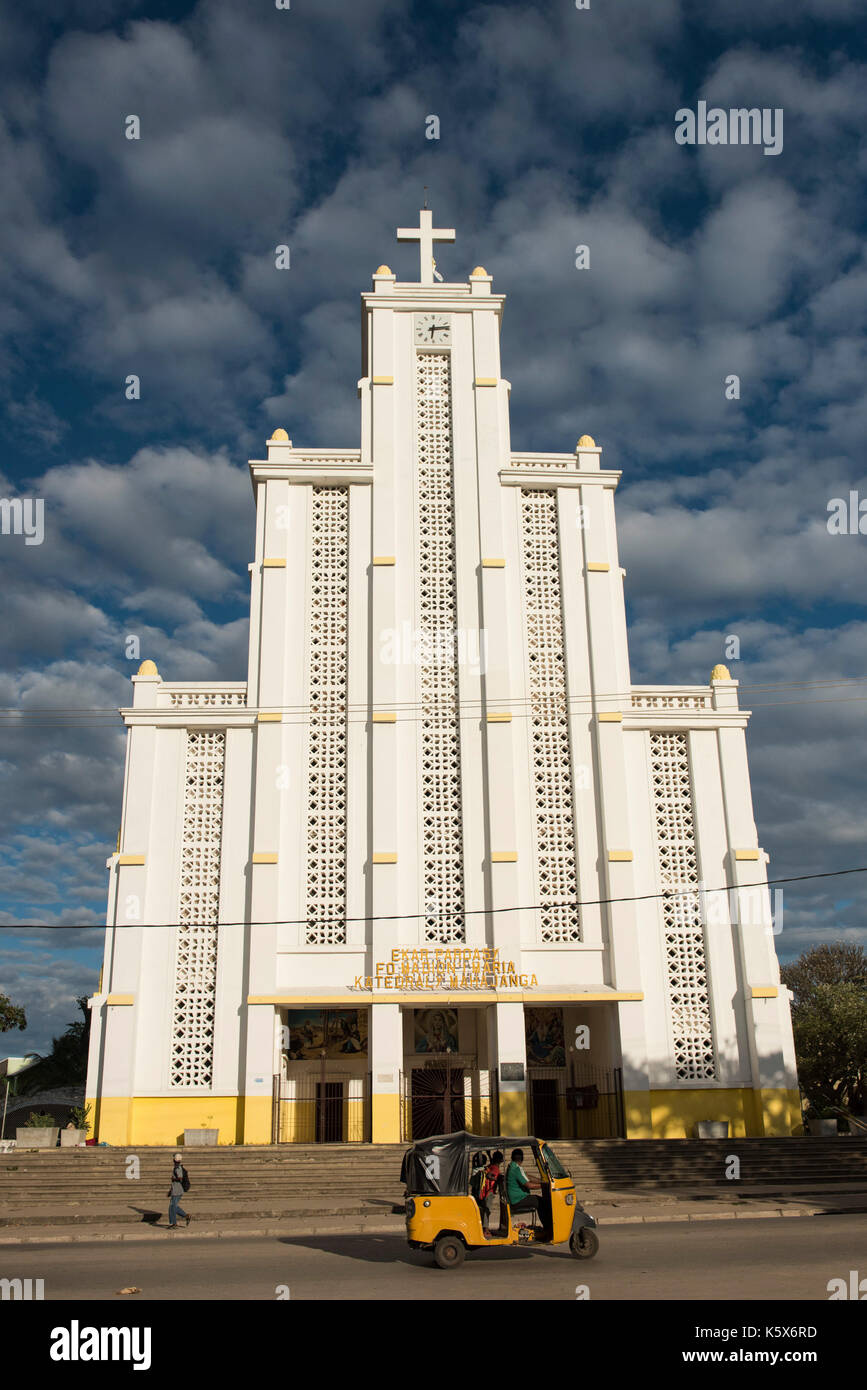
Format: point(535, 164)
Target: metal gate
point(445, 1093)
point(310, 1109)
point(583, 1102)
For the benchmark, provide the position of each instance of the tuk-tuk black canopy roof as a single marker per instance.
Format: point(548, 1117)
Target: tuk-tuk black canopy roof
point(440, 1164)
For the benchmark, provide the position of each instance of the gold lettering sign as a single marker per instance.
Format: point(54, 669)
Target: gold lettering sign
point(445, 969)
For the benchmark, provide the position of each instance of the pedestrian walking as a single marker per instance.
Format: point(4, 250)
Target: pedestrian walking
point(180, 1185)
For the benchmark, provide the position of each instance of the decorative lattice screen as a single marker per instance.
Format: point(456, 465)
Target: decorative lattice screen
point(549, 719)
point(688, 993)
point(442, 839)
point(326, 758)
point(192, 1058)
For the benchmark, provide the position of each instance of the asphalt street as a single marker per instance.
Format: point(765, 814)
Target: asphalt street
point(711, 1260)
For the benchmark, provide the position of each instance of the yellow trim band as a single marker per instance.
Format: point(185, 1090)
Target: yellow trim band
point(384, 717)
point(764, 992)
point(267, 858)
point(498, 717)
point(266, 718)
point(383, 560)
point(382, 380)
point(597, 567)
point(486, 381)
point(504, 856)
point(120, 999)
point(385, 858)
point(365, 998)
point(620, 856)
point(493, 564)
point(610, 717)
point(130, 859)
point(746, 854)
point(274, 563)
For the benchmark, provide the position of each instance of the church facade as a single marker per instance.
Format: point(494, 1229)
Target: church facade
point(436, 863)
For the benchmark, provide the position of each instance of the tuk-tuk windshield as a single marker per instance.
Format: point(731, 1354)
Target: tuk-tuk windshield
point(555, 1167)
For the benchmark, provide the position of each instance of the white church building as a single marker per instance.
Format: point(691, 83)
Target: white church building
point(436, 863)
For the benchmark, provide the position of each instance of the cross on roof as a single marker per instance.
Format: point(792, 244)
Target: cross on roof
point(426, 234)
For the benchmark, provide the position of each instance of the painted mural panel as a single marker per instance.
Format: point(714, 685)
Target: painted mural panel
point(341, 1032)
point(436, 1030)
point(544, 1033)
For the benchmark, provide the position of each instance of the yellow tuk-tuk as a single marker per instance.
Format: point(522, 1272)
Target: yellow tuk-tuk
point(446, 1214)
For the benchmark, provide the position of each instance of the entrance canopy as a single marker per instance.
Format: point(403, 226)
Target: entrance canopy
point(440, 1164)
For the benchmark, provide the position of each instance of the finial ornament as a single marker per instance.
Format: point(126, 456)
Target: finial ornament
point(147, 668)
point(426, 234)
point(479, 270)
point(586, 442)
point(383, 270)
point(279, 435)
point(720, 673)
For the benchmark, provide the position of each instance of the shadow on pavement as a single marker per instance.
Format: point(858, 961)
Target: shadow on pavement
point(388, 1249)
point(147, 1214)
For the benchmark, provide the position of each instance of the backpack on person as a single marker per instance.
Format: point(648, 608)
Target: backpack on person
point(185, 1180)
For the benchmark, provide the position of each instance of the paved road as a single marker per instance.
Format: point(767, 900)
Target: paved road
point(777, 1259)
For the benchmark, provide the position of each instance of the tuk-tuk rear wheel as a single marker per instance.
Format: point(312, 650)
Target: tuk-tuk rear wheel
point(584, 1243)
point(449, 1252)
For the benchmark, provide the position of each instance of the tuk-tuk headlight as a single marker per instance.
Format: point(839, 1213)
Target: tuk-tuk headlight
point(570, 1199)
point(426, 1204)
point(410, 1207)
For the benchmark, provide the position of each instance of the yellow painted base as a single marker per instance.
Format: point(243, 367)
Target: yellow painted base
point(254, 1119)
point(161, 1120)
point(513, 1112)
point(673, 1114)
point(385, 1119)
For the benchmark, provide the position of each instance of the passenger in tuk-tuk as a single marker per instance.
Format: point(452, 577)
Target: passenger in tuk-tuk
point(489, 1186)
point(518, 1187)
point(477, 1178)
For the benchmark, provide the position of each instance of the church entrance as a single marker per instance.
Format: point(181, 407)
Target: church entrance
point(446, 1083)
point(329, 1112)
point(322, 1093)
point(574, 1080)
point(437, 1096)
point(308, 1109)
point(545, 1106)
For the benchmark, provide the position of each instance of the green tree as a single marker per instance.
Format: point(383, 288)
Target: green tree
point(66, 1063)
point(829, 1021)
point(11, 1015)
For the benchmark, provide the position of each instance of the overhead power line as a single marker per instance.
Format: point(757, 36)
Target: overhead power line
point(61, 717)
point(692, 890)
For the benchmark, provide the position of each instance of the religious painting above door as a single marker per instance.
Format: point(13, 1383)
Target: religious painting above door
point(339, 1032)
point(544, 1033)
point(436, 1030)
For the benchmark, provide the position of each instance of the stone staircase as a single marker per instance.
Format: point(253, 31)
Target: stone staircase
point(86, 1186)
point(671, 1164)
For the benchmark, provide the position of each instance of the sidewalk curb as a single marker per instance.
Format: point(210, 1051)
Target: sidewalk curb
point(359, 1228)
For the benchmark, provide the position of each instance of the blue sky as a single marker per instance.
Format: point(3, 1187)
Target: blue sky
point(262, 126)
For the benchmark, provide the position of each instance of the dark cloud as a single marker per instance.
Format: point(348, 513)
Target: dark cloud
point(259, 127)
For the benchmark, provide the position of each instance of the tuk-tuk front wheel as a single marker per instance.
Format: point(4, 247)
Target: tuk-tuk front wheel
point(449, 1252)
point(584, 1243)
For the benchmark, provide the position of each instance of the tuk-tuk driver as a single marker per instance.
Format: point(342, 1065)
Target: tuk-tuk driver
point(518, 1186)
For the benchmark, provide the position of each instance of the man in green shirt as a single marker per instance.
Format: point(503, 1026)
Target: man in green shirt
point(518, 1186)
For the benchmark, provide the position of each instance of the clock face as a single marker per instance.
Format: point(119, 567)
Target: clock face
point(433, 328)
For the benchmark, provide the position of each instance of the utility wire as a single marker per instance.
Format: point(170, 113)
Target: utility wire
point(669, 893)
point(87, 719)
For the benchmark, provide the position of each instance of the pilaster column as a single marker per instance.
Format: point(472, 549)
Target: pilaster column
point(386, 1060)
point(511, 1051)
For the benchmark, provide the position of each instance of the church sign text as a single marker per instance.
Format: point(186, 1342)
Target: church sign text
point(462, 968)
